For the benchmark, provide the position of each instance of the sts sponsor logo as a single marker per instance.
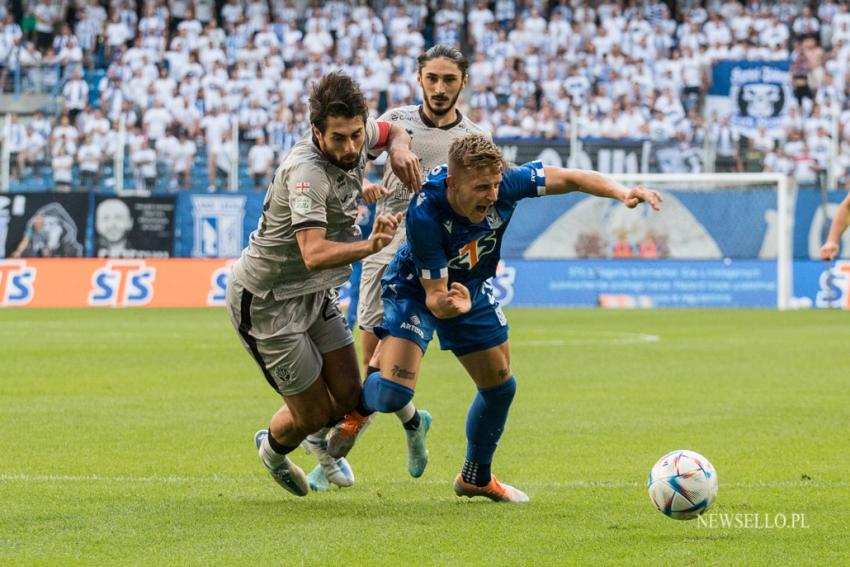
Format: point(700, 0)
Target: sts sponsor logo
point(16, 283)
point(122, 283)
point(218, 285)
point(835, 287)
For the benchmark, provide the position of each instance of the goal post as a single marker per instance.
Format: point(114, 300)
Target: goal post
point(780, 184)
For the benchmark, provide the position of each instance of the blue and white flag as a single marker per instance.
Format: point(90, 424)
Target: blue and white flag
point(753, 94)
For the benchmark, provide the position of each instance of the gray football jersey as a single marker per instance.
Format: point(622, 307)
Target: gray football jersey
point(431, 145)
point(307, 192)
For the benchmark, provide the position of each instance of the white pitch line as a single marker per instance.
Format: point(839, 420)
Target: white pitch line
point(569, 484)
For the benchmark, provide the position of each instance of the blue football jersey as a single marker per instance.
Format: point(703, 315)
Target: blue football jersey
point(442, 243)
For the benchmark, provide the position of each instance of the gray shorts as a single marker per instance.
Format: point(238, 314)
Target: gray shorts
point(370, 308)
point(287, 338)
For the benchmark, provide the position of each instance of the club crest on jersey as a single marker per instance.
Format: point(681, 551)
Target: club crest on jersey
point(473, 252)
point(494, 221)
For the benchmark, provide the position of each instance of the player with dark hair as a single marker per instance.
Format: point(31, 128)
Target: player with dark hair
point(433, 125)
point(282, 297)
point(440, 280)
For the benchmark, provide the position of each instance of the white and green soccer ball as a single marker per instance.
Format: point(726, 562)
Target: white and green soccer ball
point(682, 484)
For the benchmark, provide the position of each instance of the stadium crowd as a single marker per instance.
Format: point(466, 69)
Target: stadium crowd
point(179, 73)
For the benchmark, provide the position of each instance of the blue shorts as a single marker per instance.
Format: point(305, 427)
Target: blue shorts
point(407, 317)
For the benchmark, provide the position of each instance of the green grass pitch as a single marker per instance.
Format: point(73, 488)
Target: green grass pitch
point(126, 438)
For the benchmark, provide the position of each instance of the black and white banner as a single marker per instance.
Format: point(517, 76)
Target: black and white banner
point(753, 94)
point(43, 225)
point(133, 227)
point(599, 154)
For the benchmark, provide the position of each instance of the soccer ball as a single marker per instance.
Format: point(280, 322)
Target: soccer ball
point(682, 484)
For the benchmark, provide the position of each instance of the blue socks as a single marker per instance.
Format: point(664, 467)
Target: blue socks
point(485, 422)
point(380, 394)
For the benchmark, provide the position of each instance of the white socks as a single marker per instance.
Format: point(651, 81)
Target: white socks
point(406, 413)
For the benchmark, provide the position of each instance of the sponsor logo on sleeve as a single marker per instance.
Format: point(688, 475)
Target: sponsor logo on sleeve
point(302, 205)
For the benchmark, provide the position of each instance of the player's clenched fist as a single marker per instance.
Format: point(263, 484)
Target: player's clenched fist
point(458, 299)
point(405, 165)
point(383, 230)
point(640, 194)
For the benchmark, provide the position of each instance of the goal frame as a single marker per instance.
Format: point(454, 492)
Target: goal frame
point(785, 219)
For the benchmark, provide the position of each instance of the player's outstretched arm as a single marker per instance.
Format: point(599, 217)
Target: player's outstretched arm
point(446, 301)
point(839, 224)
point(560, 180)
point(404, 162)
point(320, 254)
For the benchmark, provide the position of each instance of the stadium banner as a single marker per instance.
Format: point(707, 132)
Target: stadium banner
point(47, 282)
point(636, 283)
point(43, 224)
point(694, 225)
point(133, 227)
point(674, 284)
point(600, 154)
point(215, 225)
point(753, 94)
point(89, 282)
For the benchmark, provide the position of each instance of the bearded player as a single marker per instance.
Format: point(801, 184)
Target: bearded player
point(432, 126)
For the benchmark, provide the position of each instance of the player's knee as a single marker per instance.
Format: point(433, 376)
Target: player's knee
point(384, 395)
point(503, 393)
point(314, 420)
point(348, 396)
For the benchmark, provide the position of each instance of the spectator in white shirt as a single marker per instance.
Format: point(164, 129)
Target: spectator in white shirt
point(75, 94)
point(63, 164)
point(806, 25)
point(778, 161)
point(89, 158)
point(17, 144)
point(71, 55)
point(252, 120)
point(33, 153)
point(144, 165)
point(45, 19)
point(156, 120)
point(64, 136)
point(116, 36)
point(167, 149)
point(478, 18)
point(261, 162)
point(184, 159)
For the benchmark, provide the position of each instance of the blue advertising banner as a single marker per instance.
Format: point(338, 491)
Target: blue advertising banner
point(636, 283)
point(735, 224)
point(682, 284)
